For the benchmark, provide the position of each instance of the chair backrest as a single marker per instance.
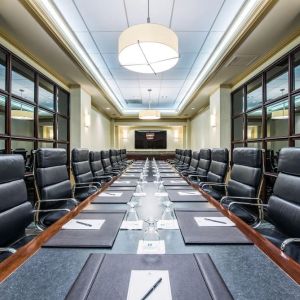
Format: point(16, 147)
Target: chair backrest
point(183, 155)
point(22, 152)
point(113, 157)
point(284, 203)
point(81, 165)
point(51, 175)
point(96, 163)
point(106, 161)
point(15, 210)
point(194, 161)
point(123, 154)
point(218, 165)
point(246, 172)
point(178, 153)
point(119, 156)
point(204, 162)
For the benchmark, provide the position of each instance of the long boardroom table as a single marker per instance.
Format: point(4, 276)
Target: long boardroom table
point(245, 269)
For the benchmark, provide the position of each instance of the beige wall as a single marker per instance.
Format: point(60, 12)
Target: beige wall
point(203, 134)
point(89, 127)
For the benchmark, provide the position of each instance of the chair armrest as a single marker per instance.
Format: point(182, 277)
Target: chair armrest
point(288, 241)
point(51, 210)
point(8, 249)
point(56, 200)
point(87, 184)
point(104, 177)
point(214, 184)
point(258, 200)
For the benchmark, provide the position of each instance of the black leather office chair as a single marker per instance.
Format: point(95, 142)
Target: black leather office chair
point(178, 153)
point(245, 182)
point(283, 208)
point(180, 158)
point(115, 160)
point(97, 167)
point(16, 211)
point(200, 174)
point(124, 157)
point(105, 158)
point(217, 173)
point(185, 163)
point(193, 164)
point(53, 187)
point(82, 172)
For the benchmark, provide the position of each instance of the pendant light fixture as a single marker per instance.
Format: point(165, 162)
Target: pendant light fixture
point(149, 114)
point(148, 48)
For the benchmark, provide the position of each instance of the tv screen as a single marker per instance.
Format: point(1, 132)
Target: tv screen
point(156, 139)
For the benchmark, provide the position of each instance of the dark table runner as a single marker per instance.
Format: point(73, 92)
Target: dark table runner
point(107, 276)
point(194, 234)
point(174, 196)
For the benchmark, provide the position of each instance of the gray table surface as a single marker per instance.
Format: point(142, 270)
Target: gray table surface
point(248, 272)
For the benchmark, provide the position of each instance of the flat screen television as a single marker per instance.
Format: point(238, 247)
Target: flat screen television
point(155, 139)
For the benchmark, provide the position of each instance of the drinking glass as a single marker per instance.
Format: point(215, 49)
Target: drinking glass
point(168, 213)
point(151, 233)
point(131, 214)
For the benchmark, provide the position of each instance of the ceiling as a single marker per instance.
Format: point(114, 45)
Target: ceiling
point(199, 24)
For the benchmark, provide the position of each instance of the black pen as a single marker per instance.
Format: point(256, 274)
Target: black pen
point(82, 223)
point(113, 194)
point(215, 221)
point(152, 288)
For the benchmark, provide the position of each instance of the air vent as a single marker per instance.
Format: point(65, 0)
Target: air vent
point(133, 101)
point(241, 60)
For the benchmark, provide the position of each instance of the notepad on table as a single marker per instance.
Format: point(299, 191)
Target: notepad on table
point(139, 194)
point(163, 194)
point(84, 224)
point(141, 281)
point(177, 181)
point(123, 181)
point(193, 193)
point(110, 194)
point(132, 225)
point(167, 224)
point(213, 221)
point(151, 247)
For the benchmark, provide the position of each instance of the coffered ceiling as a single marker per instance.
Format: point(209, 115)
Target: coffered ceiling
point(199, 24)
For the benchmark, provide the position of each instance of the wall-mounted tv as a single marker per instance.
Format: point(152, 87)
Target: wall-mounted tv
point(146, 139)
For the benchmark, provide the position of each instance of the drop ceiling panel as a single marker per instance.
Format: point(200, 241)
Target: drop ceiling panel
point(191, 41)
point(160, 11)
point(102, 15)
point(195, 15)
point(107, 42)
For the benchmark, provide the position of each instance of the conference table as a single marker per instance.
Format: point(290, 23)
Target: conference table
point(247, 272)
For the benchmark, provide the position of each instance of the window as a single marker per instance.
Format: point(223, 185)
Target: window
point(296, 100)
point(62, 129)
point(46, 94)
point(2, 113)
point(277, 80)
point(257, 145)
point(238, 145)
point(30, 117)
point(277, 119)
point(22, 80)
point(254, 93)
point(296, 70)
point(63, 103)
point(45, 124)
point(61, 145)
point(238, 129)
point(238, 102)
point(254, 124)
point(2, 70)
point(22, 118)
point(272, 152)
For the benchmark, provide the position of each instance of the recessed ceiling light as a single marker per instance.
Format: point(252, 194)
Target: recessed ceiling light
point(107, 108)
point(193, 107)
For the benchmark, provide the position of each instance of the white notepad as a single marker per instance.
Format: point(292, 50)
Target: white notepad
point(167, 224)
point(139, 194)
point(177, 181)
point(123, 181)
point(141, 282)
point(74, 224)
point(213, 222)
point(132, 225)
point(163, 194)
point(151, 247)
point(111, 194)
point(192, 193)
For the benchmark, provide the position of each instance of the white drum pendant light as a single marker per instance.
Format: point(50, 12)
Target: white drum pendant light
point(148, 48)
point(149, 114)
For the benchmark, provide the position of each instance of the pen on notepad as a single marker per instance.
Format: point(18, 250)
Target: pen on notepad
point(86, 224)
point(155, 285)
point(109, 193)
point(215, 221)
